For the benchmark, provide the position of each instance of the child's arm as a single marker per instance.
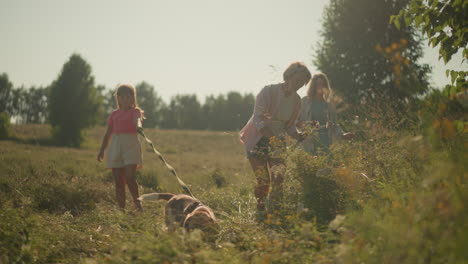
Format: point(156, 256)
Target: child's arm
point(105, 142)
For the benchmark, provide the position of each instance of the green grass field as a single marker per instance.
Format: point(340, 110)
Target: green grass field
point(57, 204)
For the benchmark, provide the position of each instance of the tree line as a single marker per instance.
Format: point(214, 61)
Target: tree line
point(25, 105)
point(41, 105)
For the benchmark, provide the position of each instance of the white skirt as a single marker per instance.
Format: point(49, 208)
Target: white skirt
point(124, 149)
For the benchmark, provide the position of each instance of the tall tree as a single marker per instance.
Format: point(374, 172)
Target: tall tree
point(5, 105)
point(74, 102)
point(366, 58)
point(151, 103)
point(6, 88)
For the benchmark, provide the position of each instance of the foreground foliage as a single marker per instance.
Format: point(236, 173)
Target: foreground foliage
point(57, 204)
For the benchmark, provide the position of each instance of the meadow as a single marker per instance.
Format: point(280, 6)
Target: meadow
point(57, 203)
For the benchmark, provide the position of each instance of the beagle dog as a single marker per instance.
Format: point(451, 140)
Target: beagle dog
point(186, 211)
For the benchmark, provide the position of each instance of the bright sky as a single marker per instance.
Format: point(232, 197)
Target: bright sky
point(203, 47)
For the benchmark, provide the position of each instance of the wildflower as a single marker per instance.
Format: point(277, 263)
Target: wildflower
point(378, 48)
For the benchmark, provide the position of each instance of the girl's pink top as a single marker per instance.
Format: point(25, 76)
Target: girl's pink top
point(267, 104)
point(122, 121)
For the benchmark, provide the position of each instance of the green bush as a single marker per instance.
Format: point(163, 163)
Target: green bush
point(74, 102)
point(4, 125)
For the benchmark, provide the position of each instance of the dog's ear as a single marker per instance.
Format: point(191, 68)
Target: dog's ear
point(194, 221)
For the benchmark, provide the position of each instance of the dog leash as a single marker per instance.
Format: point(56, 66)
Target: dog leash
point(185, 188)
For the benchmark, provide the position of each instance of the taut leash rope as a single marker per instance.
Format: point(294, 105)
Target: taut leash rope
point(185, 188)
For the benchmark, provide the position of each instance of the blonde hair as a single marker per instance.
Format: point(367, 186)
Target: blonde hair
point(126, 88)
point(313, 85)
point(297, 68)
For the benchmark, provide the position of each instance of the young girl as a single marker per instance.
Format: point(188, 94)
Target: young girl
point(124, 154)
point(276, 110)
point(318, 110)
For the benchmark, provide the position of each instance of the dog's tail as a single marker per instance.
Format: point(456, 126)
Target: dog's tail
point(156, 196)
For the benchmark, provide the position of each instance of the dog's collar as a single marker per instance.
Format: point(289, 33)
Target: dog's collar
point(192, 207)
